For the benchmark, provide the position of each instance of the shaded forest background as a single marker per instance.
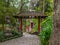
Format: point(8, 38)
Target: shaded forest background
point(9, 8)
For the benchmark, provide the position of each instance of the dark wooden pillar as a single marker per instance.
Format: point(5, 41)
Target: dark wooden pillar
point(38, 24)
point(21, 24)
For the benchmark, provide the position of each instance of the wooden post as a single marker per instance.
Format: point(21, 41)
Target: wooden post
point(38, 24)
point(20, 24)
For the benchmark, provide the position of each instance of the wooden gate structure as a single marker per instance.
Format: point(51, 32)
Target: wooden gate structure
point(29, 15)
point(32, 14)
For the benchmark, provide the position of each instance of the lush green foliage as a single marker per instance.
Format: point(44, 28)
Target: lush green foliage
point(6, 9)
point(48, 7)
point(10, 9)
point(15, 32)
point(1, 35)
point(46, 28)
point(46, 25)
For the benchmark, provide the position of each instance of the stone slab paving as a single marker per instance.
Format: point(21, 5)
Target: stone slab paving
point(27, 39)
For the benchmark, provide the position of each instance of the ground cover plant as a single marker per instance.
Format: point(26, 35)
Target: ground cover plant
point(9, 35)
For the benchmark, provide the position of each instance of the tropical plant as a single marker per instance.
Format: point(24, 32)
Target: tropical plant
point(46, 31)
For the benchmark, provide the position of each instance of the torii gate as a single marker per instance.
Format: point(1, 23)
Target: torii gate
point(28, 15)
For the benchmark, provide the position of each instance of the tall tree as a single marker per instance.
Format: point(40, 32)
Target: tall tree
point(55, 36)
point(5, 10)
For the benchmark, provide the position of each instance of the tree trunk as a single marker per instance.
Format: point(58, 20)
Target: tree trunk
point(55, 37)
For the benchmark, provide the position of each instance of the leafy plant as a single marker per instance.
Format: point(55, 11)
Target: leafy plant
point(46, 31)
point(15, 32)
point(1, 35)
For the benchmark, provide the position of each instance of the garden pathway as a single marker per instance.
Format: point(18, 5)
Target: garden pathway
point(27, 39)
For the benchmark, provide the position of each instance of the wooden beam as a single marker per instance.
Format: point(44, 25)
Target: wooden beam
point(38, 24)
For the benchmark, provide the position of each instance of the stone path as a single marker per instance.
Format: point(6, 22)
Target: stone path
point(27, 39)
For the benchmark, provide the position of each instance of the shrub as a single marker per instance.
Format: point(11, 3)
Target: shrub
point(45, 36)
point(46, 31)
point(15, 32)
point(1, 35)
